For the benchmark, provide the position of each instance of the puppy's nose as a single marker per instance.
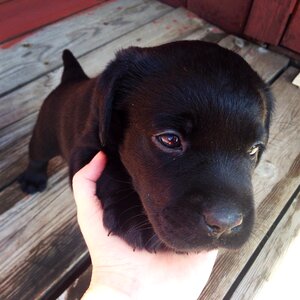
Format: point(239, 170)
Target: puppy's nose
point(223, 221)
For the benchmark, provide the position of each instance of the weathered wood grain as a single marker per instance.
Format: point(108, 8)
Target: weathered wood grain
point(266, 63)
point(269, 277)
point(275, 180)
point(26, 100)
point(13, 161)
point(40, 53)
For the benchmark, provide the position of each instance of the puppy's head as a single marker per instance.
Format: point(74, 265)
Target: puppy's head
point(190, 121)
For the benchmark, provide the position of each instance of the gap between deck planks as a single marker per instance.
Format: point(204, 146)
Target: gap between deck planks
point(39, 258)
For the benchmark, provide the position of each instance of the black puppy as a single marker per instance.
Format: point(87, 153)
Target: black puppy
point(183, 125)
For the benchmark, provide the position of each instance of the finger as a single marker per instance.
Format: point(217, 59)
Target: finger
point(89, 210)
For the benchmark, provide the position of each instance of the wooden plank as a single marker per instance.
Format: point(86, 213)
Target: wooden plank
point(230, 16)
point(291, 38)
point(268, 19)
point(275, 180)
point(19, 17)
point(41, 52)
point(13, 161)
point(266, 63)
point(272, 276)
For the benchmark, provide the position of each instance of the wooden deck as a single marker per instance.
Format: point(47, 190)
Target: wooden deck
point(41, 248)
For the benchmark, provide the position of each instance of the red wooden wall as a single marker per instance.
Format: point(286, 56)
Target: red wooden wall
point(275, 22)
point(268, 19)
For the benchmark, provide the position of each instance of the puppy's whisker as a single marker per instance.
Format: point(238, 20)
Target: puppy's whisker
point(157, 244)
point(130, 208)
point(140, 227)
point(118, 180)
point(140, 224)
point(124, 197)
point(125, 189)
point(119, 199)
point(152, 238)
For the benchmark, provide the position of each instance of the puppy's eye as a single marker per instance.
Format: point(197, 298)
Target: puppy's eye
point(169, 140)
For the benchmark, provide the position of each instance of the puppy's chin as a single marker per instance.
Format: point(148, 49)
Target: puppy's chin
point(190, 244)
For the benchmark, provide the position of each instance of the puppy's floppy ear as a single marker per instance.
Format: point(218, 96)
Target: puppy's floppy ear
point(116, 81)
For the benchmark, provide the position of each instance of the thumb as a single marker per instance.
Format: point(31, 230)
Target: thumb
point(84, 181)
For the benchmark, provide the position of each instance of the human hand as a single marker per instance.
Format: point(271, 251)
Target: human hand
point(121, 273)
